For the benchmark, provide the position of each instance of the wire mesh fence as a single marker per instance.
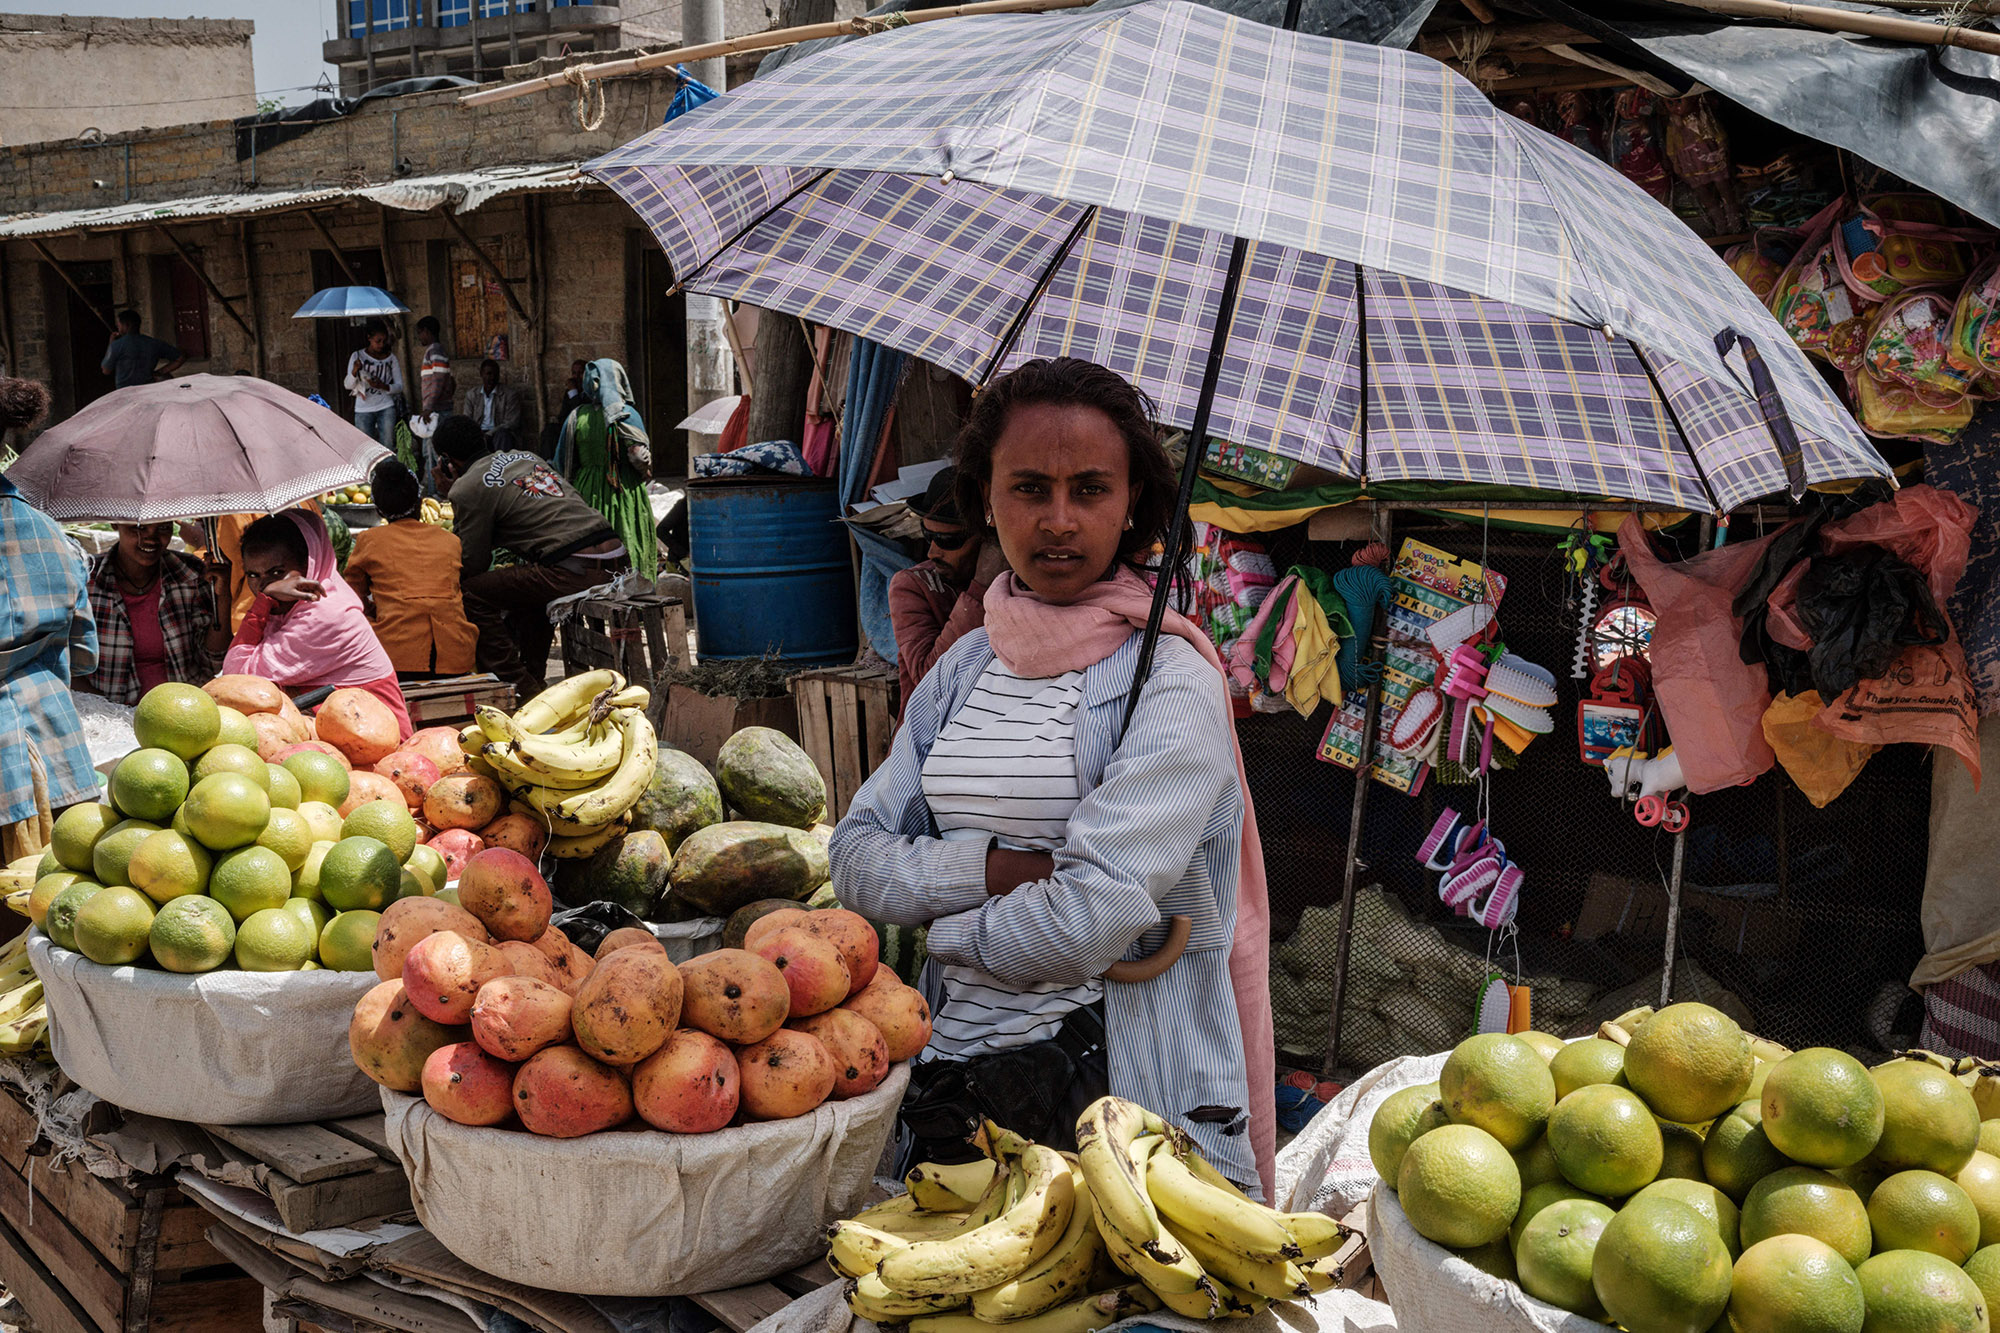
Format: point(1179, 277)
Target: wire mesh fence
point(1802, 923)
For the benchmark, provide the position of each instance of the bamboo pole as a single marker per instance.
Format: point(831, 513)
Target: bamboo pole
point(762, 41)
point(1863, 25)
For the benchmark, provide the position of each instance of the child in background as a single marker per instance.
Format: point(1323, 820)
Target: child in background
point(406, 573)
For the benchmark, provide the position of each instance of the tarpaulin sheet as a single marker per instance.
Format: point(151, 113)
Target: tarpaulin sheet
point(1927, 113)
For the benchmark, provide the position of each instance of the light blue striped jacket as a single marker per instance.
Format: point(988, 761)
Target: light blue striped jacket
point(1158, 834)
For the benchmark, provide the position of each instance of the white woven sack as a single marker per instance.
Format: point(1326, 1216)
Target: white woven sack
point(217, 1048)
point(1327, 1166)
point(639, 1212)
point(1432, 1288)
point(688, 939)
point(825, 1311)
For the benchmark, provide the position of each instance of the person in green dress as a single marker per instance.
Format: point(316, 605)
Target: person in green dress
point(606, 454)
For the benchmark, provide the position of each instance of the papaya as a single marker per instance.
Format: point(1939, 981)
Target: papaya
point(726, 866)
point(680, 797)
point(630, 871)
point(765, 776)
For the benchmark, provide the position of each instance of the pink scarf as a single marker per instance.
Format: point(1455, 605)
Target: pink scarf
point(1033, 640)
point(327, 642)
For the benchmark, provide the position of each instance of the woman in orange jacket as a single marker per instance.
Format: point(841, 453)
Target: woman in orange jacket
point(406, 572)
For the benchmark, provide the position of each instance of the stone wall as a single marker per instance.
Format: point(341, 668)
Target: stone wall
point(67, 75)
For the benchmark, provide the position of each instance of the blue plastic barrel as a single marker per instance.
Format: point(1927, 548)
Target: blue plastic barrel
point(771, 570)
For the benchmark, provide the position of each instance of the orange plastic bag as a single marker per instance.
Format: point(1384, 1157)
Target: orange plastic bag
point(1712, 700)
point(1822, 764)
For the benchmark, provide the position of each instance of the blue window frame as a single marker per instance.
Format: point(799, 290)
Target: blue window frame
point(393, 15)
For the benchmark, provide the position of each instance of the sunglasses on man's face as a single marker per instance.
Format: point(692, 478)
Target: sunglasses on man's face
point(947, 541)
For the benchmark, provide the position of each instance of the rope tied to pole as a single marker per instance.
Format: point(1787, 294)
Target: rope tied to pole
point(582, 87)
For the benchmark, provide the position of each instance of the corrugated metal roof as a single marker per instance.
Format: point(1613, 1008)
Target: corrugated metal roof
point(463, 191)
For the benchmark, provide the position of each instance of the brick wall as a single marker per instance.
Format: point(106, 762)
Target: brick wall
point(66, 74)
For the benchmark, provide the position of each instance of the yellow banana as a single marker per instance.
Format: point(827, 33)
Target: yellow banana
point(25, 1032)
point(1322, 1274)
point(1001, 1249)
point(19, 1001)
point(544, 805)
point(902, 1217)
point(509, 759)
point(1172, 1283)
point(493, 724)
point(585, 845)
point(1984, 1081)
point(1279, 1279)
point(595, 750)
point(565, 698)
point(854, 1248)
point(1204, 1302)
point(619, 792)
point(1240, 1304)
point(17, 901)
point(867, 1297)
point(1107, 1137)
point(1768, 1051)
point(1317, 1234)
point(1222, 1217)
point(1097, 1310)
point(471, 739)
point(1058, 1276)
point(940, 1187)
point(632, 696)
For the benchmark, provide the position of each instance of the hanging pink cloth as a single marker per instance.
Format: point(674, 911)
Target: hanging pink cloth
point(316, 643)
point(1035, 639)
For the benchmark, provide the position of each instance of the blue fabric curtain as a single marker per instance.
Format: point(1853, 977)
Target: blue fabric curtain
point(693, 93)
point(873, 374)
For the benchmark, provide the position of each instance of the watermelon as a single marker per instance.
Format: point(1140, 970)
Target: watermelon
point(680, 798)
point(726, 866)
point(765, 776)
point(630, 871)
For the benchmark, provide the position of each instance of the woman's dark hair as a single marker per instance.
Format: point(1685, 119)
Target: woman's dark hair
point(1066, 381)
point(395, 489)
point(276, 532)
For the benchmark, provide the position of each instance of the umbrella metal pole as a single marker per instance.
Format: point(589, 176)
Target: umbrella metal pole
point(1371, 718)
point(1673, 920)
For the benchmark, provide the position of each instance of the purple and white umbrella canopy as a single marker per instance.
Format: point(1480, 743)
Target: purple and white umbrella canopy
point(987, 190)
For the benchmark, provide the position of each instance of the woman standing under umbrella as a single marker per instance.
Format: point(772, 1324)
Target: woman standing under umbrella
point(155, 612)
point(1042, 841)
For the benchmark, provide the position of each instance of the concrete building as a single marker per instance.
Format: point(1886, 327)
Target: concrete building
point(384, 40)
point(229, 231)
point(64, 76)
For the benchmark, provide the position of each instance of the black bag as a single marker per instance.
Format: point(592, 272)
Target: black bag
point(1037, 1091)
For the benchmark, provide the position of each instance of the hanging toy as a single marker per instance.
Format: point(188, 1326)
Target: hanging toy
point(1612, 715)
point(1650, 782)
point(1584, 554)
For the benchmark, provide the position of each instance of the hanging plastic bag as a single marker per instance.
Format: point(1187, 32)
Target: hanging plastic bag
point(1822, 764)
point(1713, 701)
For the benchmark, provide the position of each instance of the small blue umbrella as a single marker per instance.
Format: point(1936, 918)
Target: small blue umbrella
point(349, 303)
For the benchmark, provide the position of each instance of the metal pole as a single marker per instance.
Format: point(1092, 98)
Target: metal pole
point(1371, 719)
point(710, 364)
point(1673, 920)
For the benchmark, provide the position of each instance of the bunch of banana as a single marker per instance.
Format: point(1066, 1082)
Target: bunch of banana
point(437, 513)
point(17, 881)
point(1007, 1240)
point(1171, 1220)
point(24, 1017)
point(576, 757)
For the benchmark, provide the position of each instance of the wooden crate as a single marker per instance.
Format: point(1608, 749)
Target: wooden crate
point(638, 637)
point(327, 1174)
point(437, 703)
point(87, 1255)
point(846, 718)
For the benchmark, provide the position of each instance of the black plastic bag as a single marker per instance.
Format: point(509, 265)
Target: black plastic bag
point(586, 926)
point(1862, 609)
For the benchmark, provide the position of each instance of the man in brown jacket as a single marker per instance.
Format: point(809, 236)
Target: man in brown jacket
point(934, 604)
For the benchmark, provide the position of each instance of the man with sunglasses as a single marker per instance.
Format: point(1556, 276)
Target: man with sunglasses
point(934, 604)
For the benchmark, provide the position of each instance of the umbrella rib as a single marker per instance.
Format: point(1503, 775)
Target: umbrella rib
point(1177, 523)
point(752, 225)
point(1361, 367)
point(1040, 289)
point(1667, 403)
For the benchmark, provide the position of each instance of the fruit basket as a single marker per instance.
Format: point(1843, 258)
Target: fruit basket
point(1436, 1289)
point(639, 1212)
point(218, 1048)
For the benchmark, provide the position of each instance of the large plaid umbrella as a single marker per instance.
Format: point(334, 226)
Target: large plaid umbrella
point(985, 191)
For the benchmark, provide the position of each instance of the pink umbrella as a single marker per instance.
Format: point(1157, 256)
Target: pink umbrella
point(191, 447)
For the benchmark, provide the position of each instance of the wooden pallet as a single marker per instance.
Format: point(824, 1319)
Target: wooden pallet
point(847, 716)
point(84, 1254)
point(327, 1174)
point(452, 699)
point(639, 637)
point(740, 1307)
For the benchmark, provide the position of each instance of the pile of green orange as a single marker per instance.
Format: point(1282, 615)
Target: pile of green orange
point(1676, 1175)
point(206, 856)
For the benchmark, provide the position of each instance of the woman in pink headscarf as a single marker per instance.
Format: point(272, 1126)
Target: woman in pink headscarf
point(307, 629)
